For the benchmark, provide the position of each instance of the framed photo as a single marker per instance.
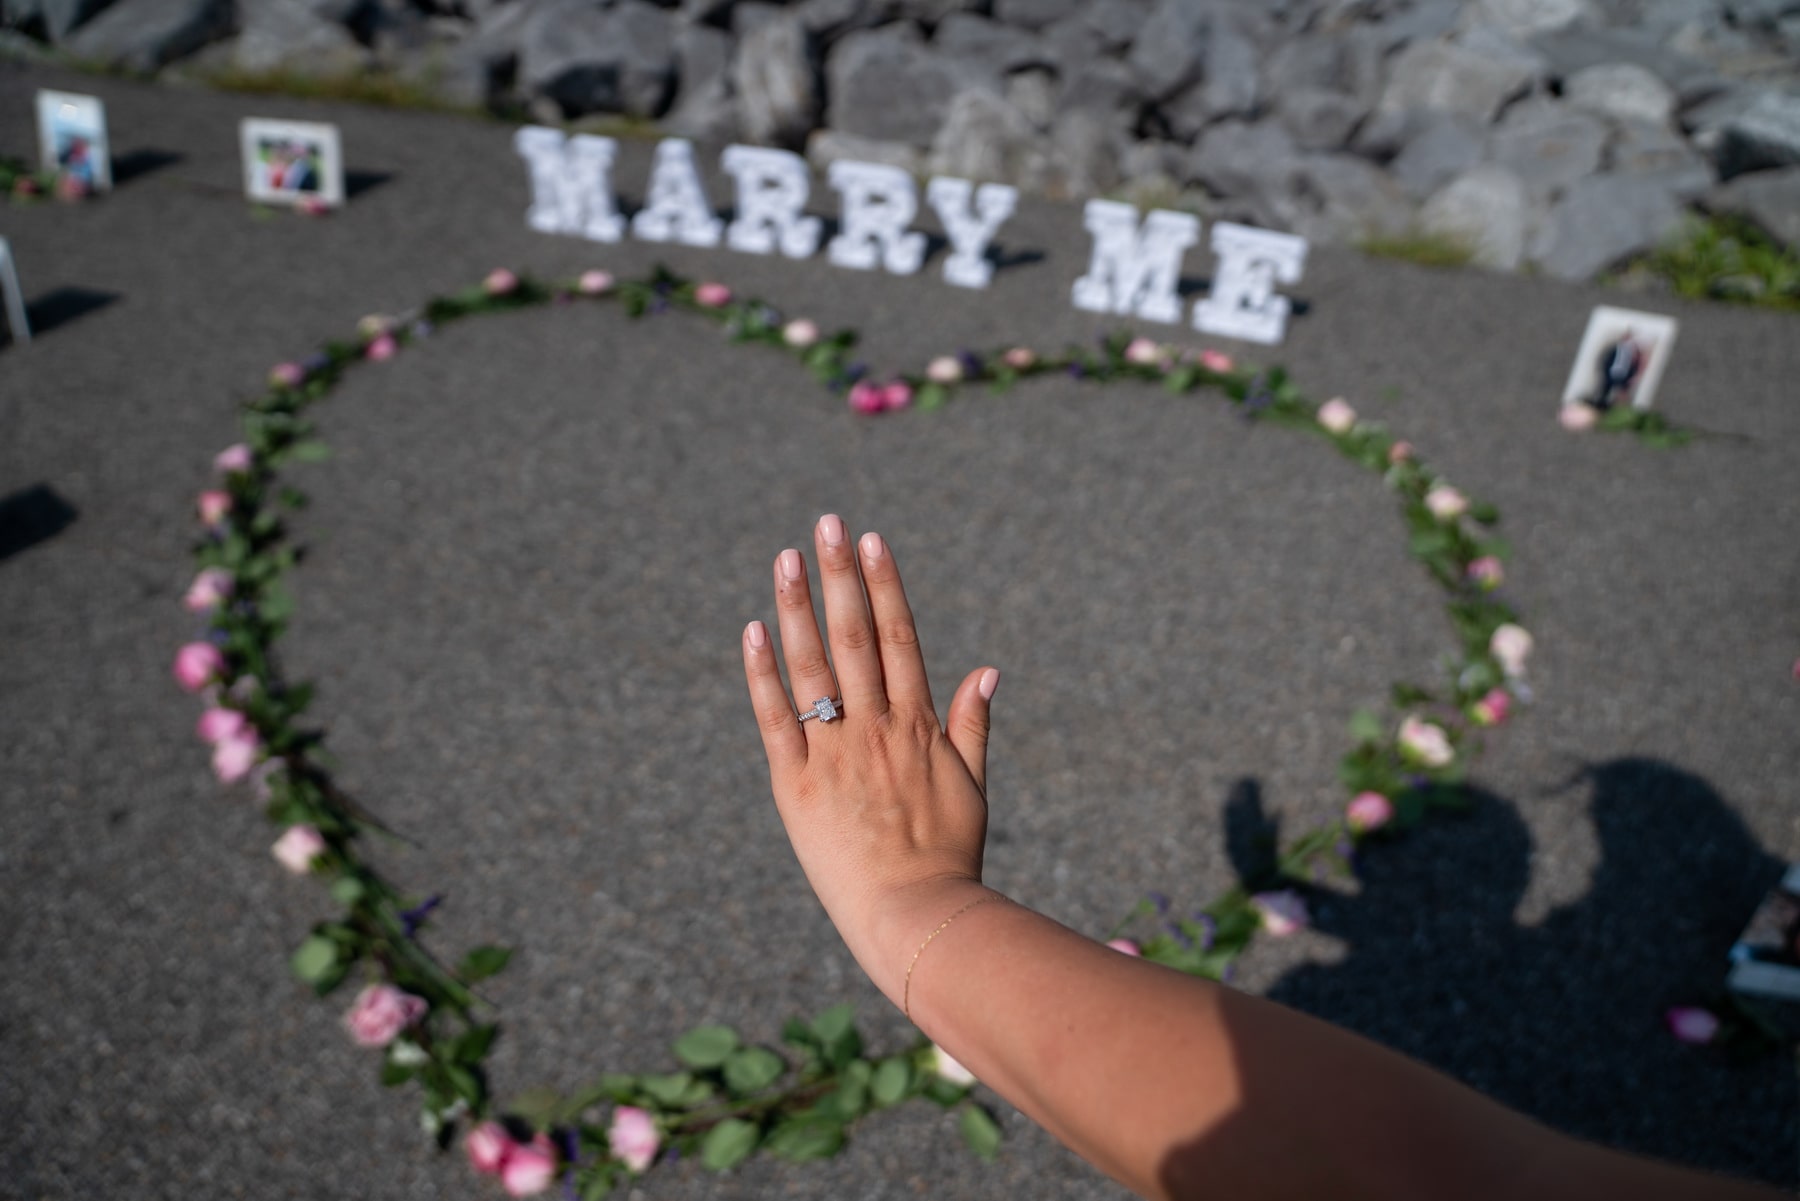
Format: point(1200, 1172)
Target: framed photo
point(286, 162)
point(1621, 361)
point(12, 301)
point(72, 139)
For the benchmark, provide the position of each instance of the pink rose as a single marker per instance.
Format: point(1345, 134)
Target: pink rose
point(1577, 417)
point(1425, 743)
point(198, 664)
point(213, 505)
point(234, 460)
point(944, 369)
point(210, 589)
point(1283, 912)
point(1492, 709)
point(1126, 947)
point(1337, 416)
point(947, 1068)
point(380, 1013)
point(1486, 573)
point(1692, 1024)
point(897, 395)
point(1368, 811)
point(233, 756)
point(218, 723)
point(287, 375)
point(1143, 352)
point(594, 283)
point(382, 348)
point(1511, 646)
point(712, 296)
point(1216, 361)
point(867, 398)
point(297, 848)
point(71, 187)
point(529, 1167)
point(488, 1146)
point(1446, 503)
point(1400, 452)
point(1020, 358)
point(633, 1137)
point(500, 282)
point(312, 206)
point(800, 334)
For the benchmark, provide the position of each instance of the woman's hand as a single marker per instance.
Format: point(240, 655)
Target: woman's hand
point(886, 808)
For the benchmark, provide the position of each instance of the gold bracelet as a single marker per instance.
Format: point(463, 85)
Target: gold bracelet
point(906, 993)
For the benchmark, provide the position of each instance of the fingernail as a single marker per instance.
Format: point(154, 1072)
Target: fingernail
point(831, 529)
point(990, 680)
point(758, 634)
point(791, 567)
point(872, 546)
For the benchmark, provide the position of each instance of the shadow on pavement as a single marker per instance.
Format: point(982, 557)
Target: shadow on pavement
point(139, 163)
point(30, 516)
point(64, 305)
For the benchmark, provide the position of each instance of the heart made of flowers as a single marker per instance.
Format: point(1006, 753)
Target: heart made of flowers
point(724, 1100)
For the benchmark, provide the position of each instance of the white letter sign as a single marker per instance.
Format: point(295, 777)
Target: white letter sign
point(970, 232)
point(1243, 303)
point(771, 192)
point(676, 209)
point(1132, 271)
point(571, 185)
point(879, 203)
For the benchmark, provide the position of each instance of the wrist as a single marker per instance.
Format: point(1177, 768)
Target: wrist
point(915, 917)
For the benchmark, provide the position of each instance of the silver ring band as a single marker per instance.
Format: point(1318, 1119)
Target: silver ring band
point(825, 709)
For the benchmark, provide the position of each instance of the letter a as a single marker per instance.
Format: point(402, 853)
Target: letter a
point(676, 210)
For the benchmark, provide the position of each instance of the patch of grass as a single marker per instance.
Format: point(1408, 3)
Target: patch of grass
point(1425, 249)
point(1727, 258)
point(362, 87)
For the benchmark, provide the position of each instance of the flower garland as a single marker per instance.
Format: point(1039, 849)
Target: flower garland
point(727, 1100)
point(1652, 428)
point(24, 183)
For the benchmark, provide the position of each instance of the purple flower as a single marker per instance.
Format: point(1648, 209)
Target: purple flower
point(412, 919)
point(423, 329)
point(1160, 901)
point(1209, 930)
point(1076, 370)
point(971, 364)
point(317, 361)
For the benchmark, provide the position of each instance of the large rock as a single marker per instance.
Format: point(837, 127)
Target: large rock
point(1621, 92)
point(1230, 85)
point(275, 35)
point(831, 19)
point(1105, 86)
point(1571, 50)
point(1318, 118)
point(985, 138)
point(1033, 14)
point(1170, 46)
point(1486, 209)
point(1308, 61)
point(1235, 158)
point(777, 83)
point(144, 35)
point(1659, 156)
point(1033, 93)
point(1000, 46)
point(60, 17)
point(1522, 18)
point(1424, 21)
point(1340, 198)
point(1440, 147)
point(885, 84)
point(1601, 221)
point(1088, 148)
point(827, 146)
point(1115, 22)
point(1765, 135)
point(1769, 198)
point(1547, 145)
point(590, 59)
point(1443, 77)
point(1072, 44)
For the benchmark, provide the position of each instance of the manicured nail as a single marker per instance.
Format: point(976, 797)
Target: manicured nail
point(831, 529)
point(990, 680)
point(758, 634)
point(873, 547)
point(791, 567)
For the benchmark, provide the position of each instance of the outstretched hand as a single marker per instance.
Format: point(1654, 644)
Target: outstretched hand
point(885, 807)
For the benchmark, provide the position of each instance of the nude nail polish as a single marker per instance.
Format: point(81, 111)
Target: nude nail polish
point(791, 567)
point(831, 529)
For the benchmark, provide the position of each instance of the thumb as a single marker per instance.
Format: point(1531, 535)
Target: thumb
point(968, 724)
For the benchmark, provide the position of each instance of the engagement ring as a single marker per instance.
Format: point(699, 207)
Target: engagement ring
point(825, 709)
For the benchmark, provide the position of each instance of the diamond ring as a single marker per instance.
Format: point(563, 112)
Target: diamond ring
point(825, 709)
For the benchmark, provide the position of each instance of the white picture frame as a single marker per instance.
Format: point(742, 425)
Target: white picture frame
point(286, 162)
point(1623, 355)
point(12, 299)
point(72, 139)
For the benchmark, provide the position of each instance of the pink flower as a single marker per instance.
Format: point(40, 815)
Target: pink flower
point(234, 755)
point(312, 206)
point(287, 375)
point(500, 282)
point(380, 1013)
point(1446, 503)
point(382, 348)
point(800, 334)
point(1020, 358)
point(529, 1167)
point(1486, 573)
point(1511, 646)
point(944, 369)
point(218, 723)
point(633, 1137)
point(1337, 416)
point(947, 1068)
point(1691, 1024)
point(198, 664)
point(71, 187)
point(1425, 743)
point(234, 460)
point(297, 848)
point(1126, 947)
point(1143, 352)
point(868, 398)
point(897, 395)
point(1283, 912)
point(1400, 452)
point(593, 283)
point(1577, 417)
point(1368, 811)
point(213, 505)
point(1216, 361)
point(712, 296)
point(1492, 709)
point(210, 589)
point(488, 1146)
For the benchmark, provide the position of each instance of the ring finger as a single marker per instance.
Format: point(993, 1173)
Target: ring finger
point(809, 671)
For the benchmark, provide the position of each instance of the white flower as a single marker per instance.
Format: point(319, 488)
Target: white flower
point(949, 1069)
point(1337, 416)
point(1511, 646)
point(1426, 742)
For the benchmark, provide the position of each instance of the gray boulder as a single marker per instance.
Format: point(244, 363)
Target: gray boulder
point(1340, 198)
point(1072, 44)
point(1308, 61)
point(1486, 209)
point(1547, 145)
point(1771, 199)
point(831, 19)
point(1658, 155)
point(1440, 147)
point(985, 138)
point(588, 59)
point(1033, 93)
point(1765, 135)
point(60, 17)
point(1105, 86)
point(1522, 18)
point(1169, 47)
point(145, 35)
point(1424, 21)
point(1601, 221)
point(827, 146)
point(776, 83)
point(1033, 14)
point(1572, 50)
point(1252, 171)
point(1443, 77)
point(276, 35)
point(1621, 92)
point(1230, 85)
point(1115, 22)
point(885, 84)
point(1087, 152)
point(1319, 119)
point(1000, 46)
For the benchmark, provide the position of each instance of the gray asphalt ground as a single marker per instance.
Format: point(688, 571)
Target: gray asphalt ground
point(541, 534)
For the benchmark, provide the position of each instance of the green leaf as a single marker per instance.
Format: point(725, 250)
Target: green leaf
point(729, 1144)
point(347, 890)
point(944, 1092)
point(467, 1084)
point(796, 1033)
point(839, 1041)
point(676, 1090)
point(483, 962)
point(980, 1131)
point(1366, 726)
point(472, 1045)
point(597, 1185)
point(315, 959)
point(752, 1069)
point(892, 1079)
point(537, 1107)
point(706, 1046)
point(309, 452)
point(801, 1139)
point(393, 1074)
point(932, 396)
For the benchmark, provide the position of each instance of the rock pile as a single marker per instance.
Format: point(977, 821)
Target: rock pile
point(1564, 134)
